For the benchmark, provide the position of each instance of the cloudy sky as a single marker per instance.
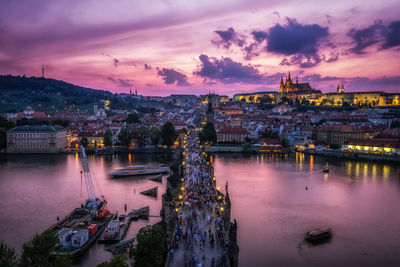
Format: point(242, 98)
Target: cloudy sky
point(191, 46)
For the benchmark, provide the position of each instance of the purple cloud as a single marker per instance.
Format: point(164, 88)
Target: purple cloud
point(366, 37)
point(121, 82)
point(227, 71)
point(228, 38)
point(116, 62)
point(294, 38)
point(171, 76)
point(147, 67)
point(393, 35)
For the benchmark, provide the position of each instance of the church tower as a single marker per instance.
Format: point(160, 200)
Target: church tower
point(281, 87)
point(289, 83)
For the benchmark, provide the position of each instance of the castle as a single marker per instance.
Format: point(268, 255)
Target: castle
point(290, 87)
point(304, 93)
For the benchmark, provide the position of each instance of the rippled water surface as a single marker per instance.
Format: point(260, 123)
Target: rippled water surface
point(358, 200)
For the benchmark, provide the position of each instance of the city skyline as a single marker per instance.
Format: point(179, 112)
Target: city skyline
point(227, 47)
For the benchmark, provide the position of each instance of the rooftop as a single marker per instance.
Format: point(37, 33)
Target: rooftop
point(37, 128)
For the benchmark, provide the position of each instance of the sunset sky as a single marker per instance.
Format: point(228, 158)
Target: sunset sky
point(193, 47)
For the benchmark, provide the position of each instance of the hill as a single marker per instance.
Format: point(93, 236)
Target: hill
point(48, 95)
point(43, 94)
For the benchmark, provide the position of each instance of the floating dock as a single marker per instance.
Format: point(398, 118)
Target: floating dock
point(152, 192)
point(125, 221)
point(142, 213)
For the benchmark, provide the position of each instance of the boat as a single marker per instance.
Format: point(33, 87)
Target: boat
point(139, 170)
point(112, 230)
point(319, 234)
point(326, 170)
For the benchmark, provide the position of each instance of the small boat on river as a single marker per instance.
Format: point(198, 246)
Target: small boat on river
point(319, 234)
point(139, 170)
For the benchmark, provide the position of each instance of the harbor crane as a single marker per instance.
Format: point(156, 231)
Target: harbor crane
point(96, 206)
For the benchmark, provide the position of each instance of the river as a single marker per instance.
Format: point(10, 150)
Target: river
point(358, 200)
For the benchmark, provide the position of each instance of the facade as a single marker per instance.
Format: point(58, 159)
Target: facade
point(290, 87)
point(379, 146)
point(232, 134)
point(36, 139)
point(339, 134)
point(232, 111)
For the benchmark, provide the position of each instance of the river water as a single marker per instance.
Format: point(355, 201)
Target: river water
point(358, 200)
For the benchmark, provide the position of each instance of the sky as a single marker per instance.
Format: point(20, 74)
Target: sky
point(195, 47)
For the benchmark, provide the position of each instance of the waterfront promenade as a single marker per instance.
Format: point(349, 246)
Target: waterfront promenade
point(199, 238)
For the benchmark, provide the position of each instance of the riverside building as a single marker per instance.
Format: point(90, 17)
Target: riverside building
point(36, 139)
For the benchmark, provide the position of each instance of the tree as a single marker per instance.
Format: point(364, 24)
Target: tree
point(6, 124)
point(140, 134)
point(37, 252)
point(84, 141)
point(125, 137)
point(150, 247)
point(285, 142)
point(108, 138)
point(155, 135)
point(168, 134)
point(116, 261)
point(132, 118)
point(3, 138)
point(208, 133)
point(7, 256)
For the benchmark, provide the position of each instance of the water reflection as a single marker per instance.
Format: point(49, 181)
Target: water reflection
point(274, 210)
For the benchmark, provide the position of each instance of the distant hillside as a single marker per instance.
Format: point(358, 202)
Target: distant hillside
point(17, 92)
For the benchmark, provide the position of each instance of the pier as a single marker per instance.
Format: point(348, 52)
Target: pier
point(197, 213)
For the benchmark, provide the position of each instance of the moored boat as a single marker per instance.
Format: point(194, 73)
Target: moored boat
point(319, 234)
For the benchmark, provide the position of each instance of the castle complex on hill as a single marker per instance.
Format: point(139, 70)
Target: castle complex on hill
point(304, 93)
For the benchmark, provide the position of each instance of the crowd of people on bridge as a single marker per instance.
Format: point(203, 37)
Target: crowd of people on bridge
point(199, 232)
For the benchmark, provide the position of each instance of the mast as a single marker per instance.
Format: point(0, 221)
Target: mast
point(91, 201)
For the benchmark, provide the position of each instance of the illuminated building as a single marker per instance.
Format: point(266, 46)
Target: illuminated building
point(36, 139)
point(232, 134)
point(373, 146)
point(339, 134)
point(305, 94)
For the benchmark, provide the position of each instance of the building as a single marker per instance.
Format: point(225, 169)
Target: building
point(379, 146)
point(232, 111)
point(337, 134)
point(209, 112)
point(36, 139)
point(290, 87)
point(232, 134)
point(305, 94)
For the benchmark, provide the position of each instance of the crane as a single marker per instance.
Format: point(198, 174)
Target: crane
point(96, 207)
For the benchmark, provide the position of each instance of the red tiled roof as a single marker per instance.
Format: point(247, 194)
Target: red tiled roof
point(233, 130)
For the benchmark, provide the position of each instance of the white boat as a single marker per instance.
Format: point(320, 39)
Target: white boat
point(139, 170)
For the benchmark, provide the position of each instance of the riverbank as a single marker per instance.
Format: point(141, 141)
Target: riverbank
point(348, 155)
point(244, 149)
